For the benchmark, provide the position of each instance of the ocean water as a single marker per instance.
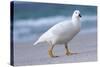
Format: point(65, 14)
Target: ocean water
point(31, 19)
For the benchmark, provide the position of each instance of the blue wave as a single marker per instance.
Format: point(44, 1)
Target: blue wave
point(26, 10)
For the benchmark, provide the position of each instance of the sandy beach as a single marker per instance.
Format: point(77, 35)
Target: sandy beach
point(84, 43)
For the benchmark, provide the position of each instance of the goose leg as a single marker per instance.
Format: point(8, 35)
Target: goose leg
point(50, 51)
point(67, 50)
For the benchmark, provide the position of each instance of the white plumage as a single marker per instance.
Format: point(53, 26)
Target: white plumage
point(62, 32)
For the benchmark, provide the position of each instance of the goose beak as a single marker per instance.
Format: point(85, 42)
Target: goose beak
point(80, 15)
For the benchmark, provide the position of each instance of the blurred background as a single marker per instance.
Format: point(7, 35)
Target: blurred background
point(31, 19)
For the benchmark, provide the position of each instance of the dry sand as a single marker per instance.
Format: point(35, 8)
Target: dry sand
point(84, 44)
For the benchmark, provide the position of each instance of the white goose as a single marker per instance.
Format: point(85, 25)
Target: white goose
point(61, 33)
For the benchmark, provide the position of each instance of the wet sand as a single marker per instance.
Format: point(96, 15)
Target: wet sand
point(84, 43)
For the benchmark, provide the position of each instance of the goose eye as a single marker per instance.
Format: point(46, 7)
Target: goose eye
point(76, 12)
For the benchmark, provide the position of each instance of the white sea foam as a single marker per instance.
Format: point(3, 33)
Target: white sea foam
point(48, 20)
point(39, 21)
